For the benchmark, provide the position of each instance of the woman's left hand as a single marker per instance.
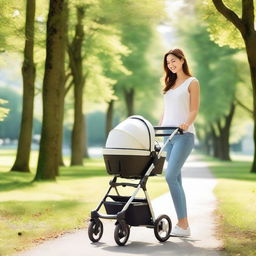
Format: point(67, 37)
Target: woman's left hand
point(184, 126)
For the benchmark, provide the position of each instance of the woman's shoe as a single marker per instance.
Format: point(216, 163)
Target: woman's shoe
point(180, 232)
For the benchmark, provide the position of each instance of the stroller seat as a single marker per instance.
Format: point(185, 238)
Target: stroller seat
point(130, 149)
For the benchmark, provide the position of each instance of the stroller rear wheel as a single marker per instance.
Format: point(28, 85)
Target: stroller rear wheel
point(162, 228)
point(122, 232)
point(95, 230)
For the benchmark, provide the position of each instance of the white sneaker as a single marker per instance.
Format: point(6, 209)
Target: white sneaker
point(180, 232)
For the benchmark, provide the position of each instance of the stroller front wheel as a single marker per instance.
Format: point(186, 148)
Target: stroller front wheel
point(162, 228)
point(122, 233)
point(95, 230)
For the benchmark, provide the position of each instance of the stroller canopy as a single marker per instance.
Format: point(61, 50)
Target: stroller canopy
point(133, 133)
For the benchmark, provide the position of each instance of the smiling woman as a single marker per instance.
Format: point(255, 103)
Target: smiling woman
point(181, 105)
point(174, 63)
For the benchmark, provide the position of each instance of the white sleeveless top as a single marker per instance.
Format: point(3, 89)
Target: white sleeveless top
point(176, 106)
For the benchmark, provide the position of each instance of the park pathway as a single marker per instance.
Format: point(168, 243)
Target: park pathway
point(199, 184)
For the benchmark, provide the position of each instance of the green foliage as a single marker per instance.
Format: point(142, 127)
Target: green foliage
point(114, 30)
point(138, 41)
point(12, 21)
point(216, 69)
point(245, 95)
point(137, 21)
point(117, 51)
point(223, 73)
point(244, 91)
point(102, 50)
point(222, 31)
point(12, 25)
point(134, 12)
point(3, 111)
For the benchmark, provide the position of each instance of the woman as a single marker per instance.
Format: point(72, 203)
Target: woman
point(181, 104)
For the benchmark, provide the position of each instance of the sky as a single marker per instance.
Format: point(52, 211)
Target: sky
point(173, 8)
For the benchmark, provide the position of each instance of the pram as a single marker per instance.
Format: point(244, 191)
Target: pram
point(131, 152)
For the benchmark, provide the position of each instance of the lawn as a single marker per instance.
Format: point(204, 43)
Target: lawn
point(236, 193)
point(31, 212)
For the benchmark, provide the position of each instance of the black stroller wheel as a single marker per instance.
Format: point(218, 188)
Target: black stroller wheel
point(122, 233)
point(95, 230)
point(162, 228)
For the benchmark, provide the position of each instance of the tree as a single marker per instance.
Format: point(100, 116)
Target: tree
point(245, 26)
point(137, 38)
point(217, 71)
point(53, 91)
point(137, 25)
point(12, 23)
point(93, 46)
point(76, 64)
point(21, 163)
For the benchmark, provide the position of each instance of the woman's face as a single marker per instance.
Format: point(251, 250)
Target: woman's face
point(174, 63)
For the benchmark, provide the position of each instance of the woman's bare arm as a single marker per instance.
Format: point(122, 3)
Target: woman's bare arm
point(194, 90)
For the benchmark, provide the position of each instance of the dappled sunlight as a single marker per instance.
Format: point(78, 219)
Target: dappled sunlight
point(45, 209)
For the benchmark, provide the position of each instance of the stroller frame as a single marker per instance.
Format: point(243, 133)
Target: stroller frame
point(161, 225)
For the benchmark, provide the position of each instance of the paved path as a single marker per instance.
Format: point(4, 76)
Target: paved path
point(199, 185)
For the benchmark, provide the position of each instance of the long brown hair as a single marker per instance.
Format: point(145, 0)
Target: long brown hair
point(171, 77)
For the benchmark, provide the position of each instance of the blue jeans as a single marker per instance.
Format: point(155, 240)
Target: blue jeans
point(178, 150)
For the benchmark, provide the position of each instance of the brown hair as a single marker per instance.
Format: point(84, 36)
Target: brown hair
point(171, 77)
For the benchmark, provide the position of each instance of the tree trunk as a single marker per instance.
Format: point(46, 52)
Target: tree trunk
point(61, 161)
point(225, 134)
point(129, 100)
point(246, 26)
point(215, 142)
point(109, 117)
point(76, 65)
point(250, 42)
point(207, 145)
point(53, 92)
point(220, 142)
point(77, 143)
point(21, 163)
point(204, 142)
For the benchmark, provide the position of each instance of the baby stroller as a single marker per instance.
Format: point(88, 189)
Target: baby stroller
point(132, 153)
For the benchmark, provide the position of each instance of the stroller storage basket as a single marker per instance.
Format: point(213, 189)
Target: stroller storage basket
point(138, 212)
point(131, 165)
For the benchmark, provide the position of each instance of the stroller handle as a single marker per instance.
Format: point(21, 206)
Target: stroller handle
point(166, 128)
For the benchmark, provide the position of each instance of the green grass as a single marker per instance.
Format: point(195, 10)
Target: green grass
point(31, 212)
point(236, 193)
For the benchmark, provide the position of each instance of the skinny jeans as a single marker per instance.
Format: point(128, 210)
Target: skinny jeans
point(177, 151)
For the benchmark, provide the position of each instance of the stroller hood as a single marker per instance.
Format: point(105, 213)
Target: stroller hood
point(133, 133)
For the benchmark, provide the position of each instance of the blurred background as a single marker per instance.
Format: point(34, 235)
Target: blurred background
point(113, 68)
